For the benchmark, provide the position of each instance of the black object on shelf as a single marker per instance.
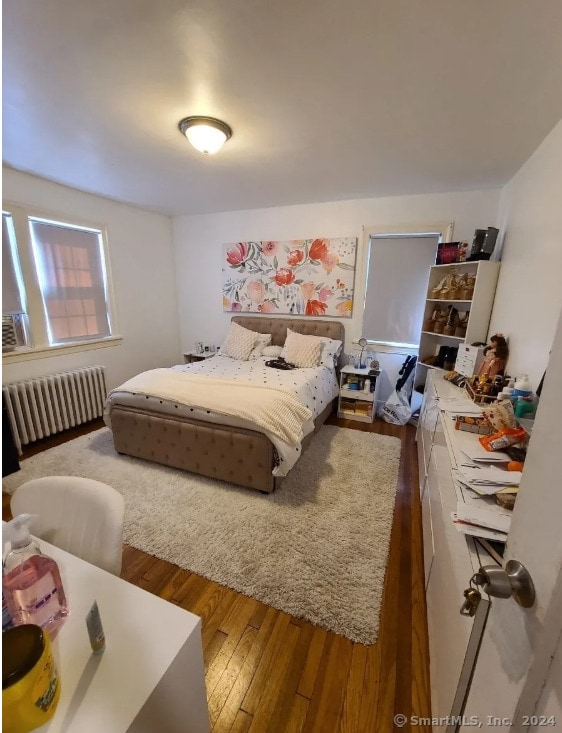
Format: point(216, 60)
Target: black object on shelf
point(10, 462)
point(490, 240)
point(477, 243)
point(483, 244)
point(446, 357)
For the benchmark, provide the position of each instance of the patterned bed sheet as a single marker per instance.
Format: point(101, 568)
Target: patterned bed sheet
point(315, 388)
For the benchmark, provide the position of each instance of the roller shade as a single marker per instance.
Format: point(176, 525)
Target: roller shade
point(72, 280)
point(397, 278)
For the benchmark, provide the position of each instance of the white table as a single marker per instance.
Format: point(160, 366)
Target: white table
point(151, 675)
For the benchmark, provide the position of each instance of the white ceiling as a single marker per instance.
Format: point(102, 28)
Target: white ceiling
point(328, 100)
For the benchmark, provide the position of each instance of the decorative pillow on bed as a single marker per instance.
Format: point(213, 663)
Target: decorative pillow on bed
point(239, 342)
point(262, 342)
point(302, 351)
point(331, 349)
point(272, 351)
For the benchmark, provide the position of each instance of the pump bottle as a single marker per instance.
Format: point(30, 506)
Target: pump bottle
point(31, 581)
point(523, 387)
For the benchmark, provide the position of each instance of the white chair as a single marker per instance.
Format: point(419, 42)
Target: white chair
point(79, 515)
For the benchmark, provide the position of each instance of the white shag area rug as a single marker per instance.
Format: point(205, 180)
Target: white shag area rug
point(316, 548)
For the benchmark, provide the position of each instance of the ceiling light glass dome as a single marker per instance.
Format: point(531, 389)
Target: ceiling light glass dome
point(206, 134)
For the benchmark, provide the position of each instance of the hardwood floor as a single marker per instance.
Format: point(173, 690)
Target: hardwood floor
point(269, 672)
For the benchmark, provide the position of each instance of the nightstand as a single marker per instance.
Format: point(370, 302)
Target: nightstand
point(357, 404)
point(189, 357)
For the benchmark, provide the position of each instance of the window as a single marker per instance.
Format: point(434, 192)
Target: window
point(55, 281)
point(12, 299)
point(14, 332)
point(70, 270)
point(396, 288)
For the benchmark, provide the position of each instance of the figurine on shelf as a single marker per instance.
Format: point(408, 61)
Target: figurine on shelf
point(495, 357)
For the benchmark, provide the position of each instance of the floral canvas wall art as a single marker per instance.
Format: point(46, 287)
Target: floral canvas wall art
point(309, 277)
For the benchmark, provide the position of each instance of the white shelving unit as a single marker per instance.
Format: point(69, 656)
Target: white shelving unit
point(356, 404)
point(479, 308)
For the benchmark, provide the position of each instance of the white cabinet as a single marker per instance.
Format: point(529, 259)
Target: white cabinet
point(463, 307)
point(450, 558)
point(429, 416)
point(358, 394)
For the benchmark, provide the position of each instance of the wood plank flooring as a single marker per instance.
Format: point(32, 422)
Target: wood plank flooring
point(269, 672)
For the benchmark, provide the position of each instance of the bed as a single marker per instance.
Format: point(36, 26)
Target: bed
point(151, 424)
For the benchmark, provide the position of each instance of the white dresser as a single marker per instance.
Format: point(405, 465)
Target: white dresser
point(450, 558)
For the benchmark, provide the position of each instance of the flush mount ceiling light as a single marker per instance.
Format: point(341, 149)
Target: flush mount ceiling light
point(206, 134)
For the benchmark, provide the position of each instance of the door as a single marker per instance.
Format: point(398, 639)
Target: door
point(519, 659)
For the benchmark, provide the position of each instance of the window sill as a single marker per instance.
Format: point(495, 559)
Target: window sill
point(28, 353)
point(390, 347)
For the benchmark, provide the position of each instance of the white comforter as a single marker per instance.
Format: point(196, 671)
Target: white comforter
point(280, 404)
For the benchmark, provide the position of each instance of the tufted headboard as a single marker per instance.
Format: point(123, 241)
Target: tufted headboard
point(277, 327)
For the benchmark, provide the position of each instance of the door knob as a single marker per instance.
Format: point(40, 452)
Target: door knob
point(513, 581)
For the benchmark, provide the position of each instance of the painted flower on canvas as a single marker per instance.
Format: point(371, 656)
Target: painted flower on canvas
point(312, 277)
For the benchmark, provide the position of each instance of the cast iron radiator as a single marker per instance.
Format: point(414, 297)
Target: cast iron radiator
point(43, 406)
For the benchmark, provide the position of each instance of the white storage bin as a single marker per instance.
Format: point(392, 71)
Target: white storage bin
point(469, 359)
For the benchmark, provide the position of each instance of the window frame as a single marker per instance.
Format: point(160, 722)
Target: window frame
point(443, 229)
point(39, 346)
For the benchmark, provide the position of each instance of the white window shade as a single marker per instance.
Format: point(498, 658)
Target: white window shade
point(397, 279)
point(12, 302)
point(70, 269)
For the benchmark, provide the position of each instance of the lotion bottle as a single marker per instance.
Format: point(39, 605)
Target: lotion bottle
point(523, 387)
point(31, 581)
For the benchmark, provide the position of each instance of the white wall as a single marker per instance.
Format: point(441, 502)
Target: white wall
point(198, 248)
point(529, 292)
point(142, 265)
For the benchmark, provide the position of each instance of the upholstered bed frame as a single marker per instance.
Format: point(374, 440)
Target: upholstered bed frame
point(239, 456)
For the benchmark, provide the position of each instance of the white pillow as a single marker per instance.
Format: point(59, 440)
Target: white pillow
point(262, 341)
point(331, 349)
point(302, 351)
point(272, 351)
point(329, 352)
point(289, 332)
point(239, 342)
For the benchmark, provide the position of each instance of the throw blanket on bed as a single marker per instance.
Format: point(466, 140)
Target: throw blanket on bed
point(273, 409)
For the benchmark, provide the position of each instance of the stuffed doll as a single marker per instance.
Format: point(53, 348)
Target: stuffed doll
point(495, 357)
